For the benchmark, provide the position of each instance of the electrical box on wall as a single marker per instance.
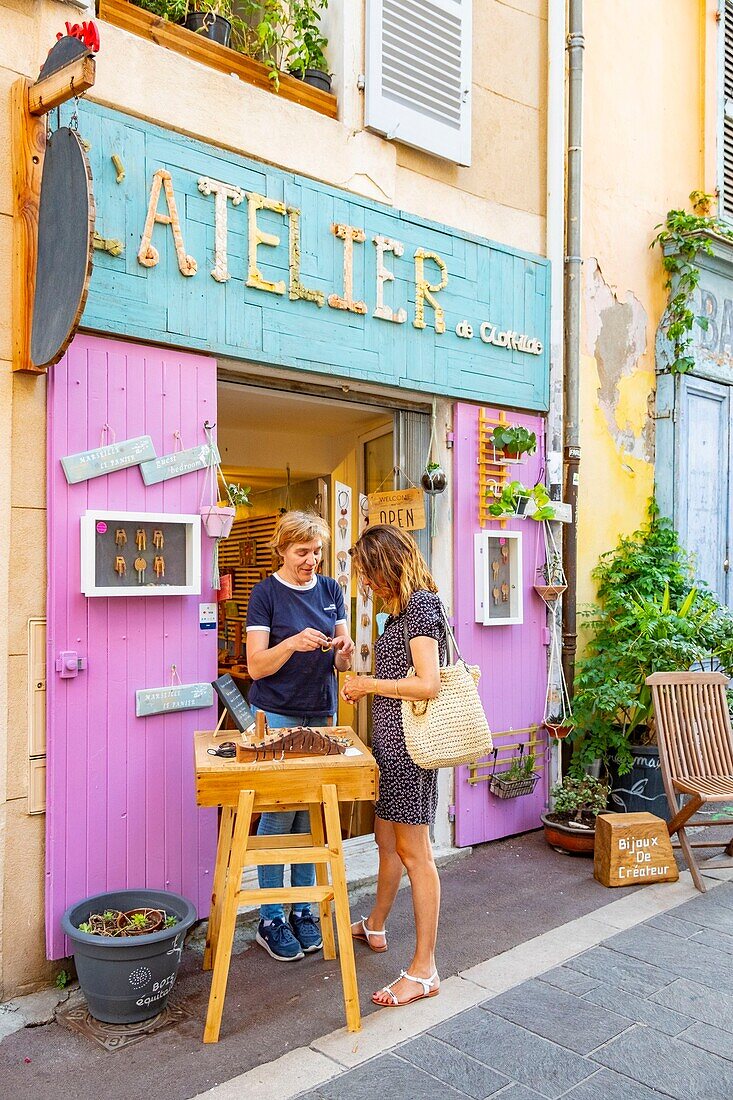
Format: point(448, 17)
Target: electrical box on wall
point(140, 554)
point(498, 578)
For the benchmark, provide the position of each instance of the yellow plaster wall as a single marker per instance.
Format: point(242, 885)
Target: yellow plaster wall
point(643, 154)
point(500, 196)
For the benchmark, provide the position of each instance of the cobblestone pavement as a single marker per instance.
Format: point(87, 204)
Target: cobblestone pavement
point(647, 1013)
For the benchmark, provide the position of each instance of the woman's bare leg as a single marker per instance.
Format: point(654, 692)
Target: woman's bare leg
point(415, 852)
point(388, 880)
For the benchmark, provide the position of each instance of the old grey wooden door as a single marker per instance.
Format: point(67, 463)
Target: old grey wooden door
point(703, 513)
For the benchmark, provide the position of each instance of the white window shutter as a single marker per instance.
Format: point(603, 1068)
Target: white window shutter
point(418, 74)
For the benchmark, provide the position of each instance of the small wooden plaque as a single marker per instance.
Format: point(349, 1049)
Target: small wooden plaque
point(403, 508)
point(633, 850)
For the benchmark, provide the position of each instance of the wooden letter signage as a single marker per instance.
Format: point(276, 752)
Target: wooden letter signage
point(403, 508)
point(632, 850)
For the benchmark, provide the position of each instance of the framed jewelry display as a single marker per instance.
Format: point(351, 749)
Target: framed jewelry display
point(363, 658)
point(140, 554)
point(498, 578)
point(342, 542)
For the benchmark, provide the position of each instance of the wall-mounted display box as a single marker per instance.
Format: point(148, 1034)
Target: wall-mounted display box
point(140, 554)
point(498, 578)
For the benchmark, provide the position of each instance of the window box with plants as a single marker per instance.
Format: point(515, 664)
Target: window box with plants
point(519, 500)
point(274, 44)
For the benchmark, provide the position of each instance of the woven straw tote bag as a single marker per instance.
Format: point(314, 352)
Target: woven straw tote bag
point(452, 728)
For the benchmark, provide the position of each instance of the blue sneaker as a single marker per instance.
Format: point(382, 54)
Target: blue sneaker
point(278, 940)
point(306, 931)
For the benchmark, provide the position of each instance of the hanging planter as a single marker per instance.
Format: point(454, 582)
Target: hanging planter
point(549, 592)
point(218, 521)
point(558, 726)
point(518, 780)
point(513, 442)
point(434, 480)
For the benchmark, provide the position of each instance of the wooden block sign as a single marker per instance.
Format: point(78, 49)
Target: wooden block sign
point(105, 460)
point(632, 850)
point(403, 508)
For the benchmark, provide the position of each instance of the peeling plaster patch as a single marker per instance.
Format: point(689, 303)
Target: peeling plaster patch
point(615, 335)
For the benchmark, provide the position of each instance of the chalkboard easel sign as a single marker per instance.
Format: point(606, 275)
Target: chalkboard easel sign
point(234, 702)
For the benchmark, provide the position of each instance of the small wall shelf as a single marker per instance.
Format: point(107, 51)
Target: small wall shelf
point(498, 578)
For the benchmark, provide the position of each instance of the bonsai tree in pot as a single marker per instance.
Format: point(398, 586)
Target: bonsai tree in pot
point(649, 618)
point(570, 825)
point(513, 441)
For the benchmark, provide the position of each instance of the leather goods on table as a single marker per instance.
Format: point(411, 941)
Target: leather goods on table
point(295, 741)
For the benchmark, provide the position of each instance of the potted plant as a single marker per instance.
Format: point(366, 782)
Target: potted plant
point(552, 575)
point(306, 59)
point(571, 825)
point(127, 950)
point(517, 499)
point(434, 478)
point(238, 495)
point(513, 441)
point(558, 725)
point(210, 18)
point(649, 618)
point(519, 778)
point(173, 10)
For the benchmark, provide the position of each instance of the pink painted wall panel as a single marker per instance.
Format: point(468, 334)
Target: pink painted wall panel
point(513, 659)
point(121, 808)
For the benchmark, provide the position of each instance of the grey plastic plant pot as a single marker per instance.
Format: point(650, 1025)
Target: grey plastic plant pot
point(128, 979)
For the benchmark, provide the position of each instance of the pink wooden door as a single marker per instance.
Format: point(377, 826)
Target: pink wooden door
point(121, 808)
point(513, 659)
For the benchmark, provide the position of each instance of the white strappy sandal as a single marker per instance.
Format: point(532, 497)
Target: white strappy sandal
point(367, 936)
point(427, 990)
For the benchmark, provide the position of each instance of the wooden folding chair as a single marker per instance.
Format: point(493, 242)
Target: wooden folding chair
point(696, 753)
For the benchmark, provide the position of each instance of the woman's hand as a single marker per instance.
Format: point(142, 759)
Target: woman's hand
point(356, 687)
point(309, 640)
point(344, 649)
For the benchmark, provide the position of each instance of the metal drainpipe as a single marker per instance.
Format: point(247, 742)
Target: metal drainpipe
point(573, 209)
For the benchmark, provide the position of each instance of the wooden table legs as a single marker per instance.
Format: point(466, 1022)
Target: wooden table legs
point(237, 849)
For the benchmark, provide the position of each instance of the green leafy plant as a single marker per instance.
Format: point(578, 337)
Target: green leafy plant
point(62, 979)
point(170, 921)
point(174, 11)
point(650, 617)
point(551, 571)
point(307, 42)
point(682, 237)
point(521, 768)
point(580, 798)
point(514, 440)
point(510, 502)
point(433, 466)
point(85, 926)
point(138, 920)
point(239, 495)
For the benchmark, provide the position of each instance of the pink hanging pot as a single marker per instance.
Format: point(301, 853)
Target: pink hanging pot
point(218, 521)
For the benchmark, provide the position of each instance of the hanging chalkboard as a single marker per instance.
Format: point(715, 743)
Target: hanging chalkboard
point(65, 235)
point(234, 702)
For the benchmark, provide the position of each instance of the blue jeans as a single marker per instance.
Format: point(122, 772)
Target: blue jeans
point(294, 821)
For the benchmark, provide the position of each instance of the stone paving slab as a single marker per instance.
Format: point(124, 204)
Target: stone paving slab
point(646, 1015)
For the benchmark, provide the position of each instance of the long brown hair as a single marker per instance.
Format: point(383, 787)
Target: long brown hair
point(391, 558)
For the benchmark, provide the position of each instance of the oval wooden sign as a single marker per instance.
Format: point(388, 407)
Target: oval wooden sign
point(65, 247)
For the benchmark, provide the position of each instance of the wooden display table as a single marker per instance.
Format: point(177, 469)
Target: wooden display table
point(316, 783)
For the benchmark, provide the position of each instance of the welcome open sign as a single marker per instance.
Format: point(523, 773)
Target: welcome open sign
point(403, 508)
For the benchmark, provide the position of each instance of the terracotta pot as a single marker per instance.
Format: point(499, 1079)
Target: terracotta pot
point(557, 729)
point(218, 521)
point(549, 592)
point(567, 839)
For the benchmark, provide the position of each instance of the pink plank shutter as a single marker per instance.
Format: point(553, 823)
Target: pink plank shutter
point(121, 809)
point(513, 659)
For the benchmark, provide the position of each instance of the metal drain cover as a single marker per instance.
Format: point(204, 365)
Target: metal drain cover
point(116, 1036)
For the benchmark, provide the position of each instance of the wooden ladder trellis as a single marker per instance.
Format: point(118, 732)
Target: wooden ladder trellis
point(493, 470)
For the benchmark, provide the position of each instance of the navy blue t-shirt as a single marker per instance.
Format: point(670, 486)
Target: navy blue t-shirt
point(306, 684)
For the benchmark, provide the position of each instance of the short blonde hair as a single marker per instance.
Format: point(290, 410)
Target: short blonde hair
point(296, 527)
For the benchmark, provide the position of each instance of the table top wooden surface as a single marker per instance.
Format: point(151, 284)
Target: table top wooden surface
point(296, 780)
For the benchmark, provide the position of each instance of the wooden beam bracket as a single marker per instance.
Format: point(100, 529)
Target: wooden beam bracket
point(51, 91)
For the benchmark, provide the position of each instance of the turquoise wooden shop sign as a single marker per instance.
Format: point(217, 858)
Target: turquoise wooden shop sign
point(107, 459)
point(177, 463)
point(163, 700)
point(243, 261)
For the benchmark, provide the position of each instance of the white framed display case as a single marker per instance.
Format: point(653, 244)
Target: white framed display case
point(140, 554)
point(498, 578)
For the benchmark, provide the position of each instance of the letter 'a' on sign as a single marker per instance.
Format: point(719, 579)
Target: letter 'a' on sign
point(403, 508)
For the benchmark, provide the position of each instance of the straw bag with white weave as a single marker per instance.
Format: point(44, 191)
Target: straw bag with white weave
point(452, 728)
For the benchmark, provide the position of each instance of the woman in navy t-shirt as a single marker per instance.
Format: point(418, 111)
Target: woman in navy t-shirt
point(297, 639)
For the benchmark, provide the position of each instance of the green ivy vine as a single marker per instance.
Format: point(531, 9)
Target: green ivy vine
point(681, 241)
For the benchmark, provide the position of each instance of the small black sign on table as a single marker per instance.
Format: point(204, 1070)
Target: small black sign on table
point(234, 703)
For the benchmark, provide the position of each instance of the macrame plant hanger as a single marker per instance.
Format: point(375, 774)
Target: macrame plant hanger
point(558, 713)
point(210, 487)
